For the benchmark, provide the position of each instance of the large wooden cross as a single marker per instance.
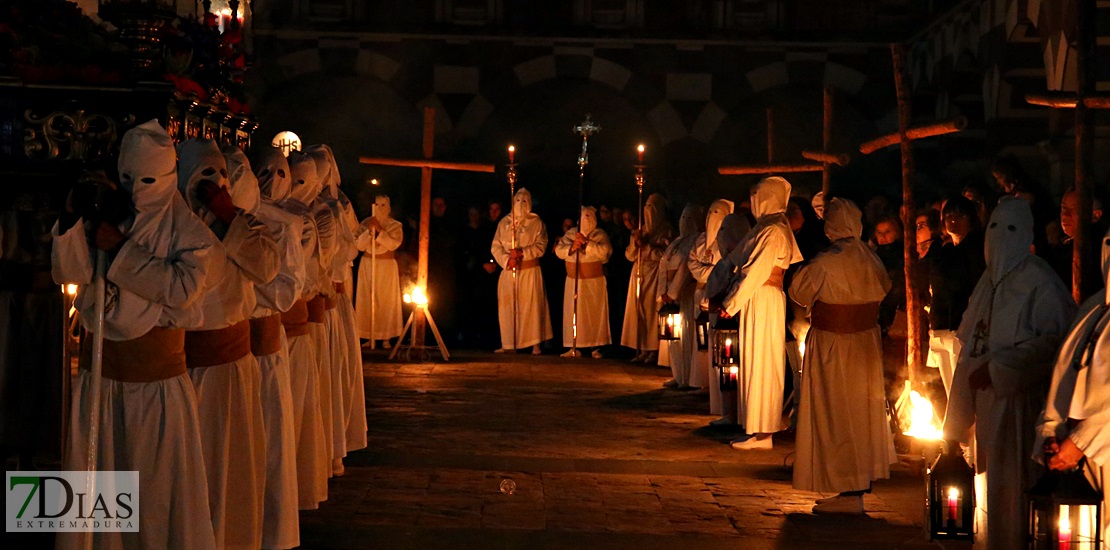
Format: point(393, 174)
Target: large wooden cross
point(823, 159)
point(916, 327)
point(426, 164)
point(1083, 101)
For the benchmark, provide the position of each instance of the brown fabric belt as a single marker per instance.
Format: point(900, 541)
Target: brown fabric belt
point(587, 270)
point(296, 319)
point(844, 318)
point(266, 335)
point(529, 264)
point(330, 302)
point(316, 308)
point(340, 288)
point(157, 355)
point(776, 277)
point(208, 348)
point(384, 255)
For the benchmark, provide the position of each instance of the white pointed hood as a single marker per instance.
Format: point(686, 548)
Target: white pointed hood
point(770, 196)
point(382, 208)
point(326, 170)
point(274, 177)
point(717, 212)
point(245, 193)
point(148, 170)
point(1008, 237)
point(733, 229)
point(690, 222)
point(306, 182)
point(587, 220)
point(199, 159)
point(522, 204)
point(843, 220)
point(655, 212)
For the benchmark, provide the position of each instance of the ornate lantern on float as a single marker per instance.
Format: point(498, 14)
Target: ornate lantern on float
point(701, 327)
point(670, 322)
point(726, 343)
point(1065, 512)
point(951, 497)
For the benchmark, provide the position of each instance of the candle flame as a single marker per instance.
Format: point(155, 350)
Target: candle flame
point(512, 148)
point(1065, 520)
point(71, 289)
point(640, 149)
point(953, 493)
point(734, 370)
point(728, 341)
point(922, 418)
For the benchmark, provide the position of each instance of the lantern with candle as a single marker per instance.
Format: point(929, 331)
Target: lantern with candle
point(670, 322)
point(701, 327)
point(726, 338)
point(1064, 512)
point(951, 497)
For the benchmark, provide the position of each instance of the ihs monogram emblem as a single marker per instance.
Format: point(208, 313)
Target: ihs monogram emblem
point(980, 339)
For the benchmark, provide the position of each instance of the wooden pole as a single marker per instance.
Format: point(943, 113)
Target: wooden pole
point(1064, 100)
point(425, 221)
point(768, 169)
point(823, 157)
point(1084, 140)
point(915, 132)
point(430, 163)
point(826, 141)
point(914, 312)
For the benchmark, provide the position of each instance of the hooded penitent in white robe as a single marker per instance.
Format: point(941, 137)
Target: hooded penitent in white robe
point(346, 352)
point(533, 319)
point(676, 281)
point(756, 299)
point(1078, 406)
point(378, 275)
point(151, 427)
point(844, 441)
point(280, 520)
point(593, 298)
point(318, 287)
point(228, 381)
point(1016, 317)
point(640, 311)
point(278, 179)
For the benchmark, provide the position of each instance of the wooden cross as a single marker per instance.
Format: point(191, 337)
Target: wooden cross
point(916, 327)
point(1083, 102)
point(426, 164)
point(825, 157)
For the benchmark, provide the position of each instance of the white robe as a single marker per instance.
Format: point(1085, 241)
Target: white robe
point(1015, 319)
point(356, 404)
point(680, 286)
point(593, 298)
point(533, 319)
point(152, 427)
point(229, 400)
point(638, 330)
point(280, 522)
point(761, 311)
point(386, 290)
point(700, 262)
point(844, 440)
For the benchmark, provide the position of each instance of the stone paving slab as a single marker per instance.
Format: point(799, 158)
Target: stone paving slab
point(601, 458)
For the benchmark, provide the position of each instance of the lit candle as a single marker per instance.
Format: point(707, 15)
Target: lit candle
point(1065, 530)
point(512, 153)
point(733, 374)
point(728, 349)
point(953, 499)
point(640, 154)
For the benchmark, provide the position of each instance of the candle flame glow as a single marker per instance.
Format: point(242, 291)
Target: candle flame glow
point(922, 418)
point(953, 493)
point(71, 289)
point(640, 149)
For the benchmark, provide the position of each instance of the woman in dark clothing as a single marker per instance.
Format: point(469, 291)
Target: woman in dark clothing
point(953, 274)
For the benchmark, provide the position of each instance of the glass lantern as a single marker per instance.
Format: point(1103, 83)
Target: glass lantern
point(701, 327)
point(670, 322)
point(726, 342)
point(1065, 512)
point(951, 497)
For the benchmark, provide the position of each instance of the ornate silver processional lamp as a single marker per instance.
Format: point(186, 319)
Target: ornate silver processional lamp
point(585, 129)
point(640, 321)
point(511, 176)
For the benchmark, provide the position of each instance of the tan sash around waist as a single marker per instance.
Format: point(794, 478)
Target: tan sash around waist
point(384, 255)
point(330, 302)
point(208, 348)
point(157, 355)
point(266, 335)
point(296, 319)
point(844, 318)
point(316, 309)
point(529, 264)
point(340, 288)
point(776, 277)
point(586, 270)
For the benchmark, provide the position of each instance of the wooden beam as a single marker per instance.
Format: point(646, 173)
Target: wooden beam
point(1062, 100)
point(768, 169)
point(826, 142)
point(430, 163)
point(840, 159)
point(1086, 29)
point(915, 314)
point(425, 220)
point(915, 132)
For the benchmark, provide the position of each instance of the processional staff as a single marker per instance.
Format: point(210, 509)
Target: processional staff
point(639, 247)
point(585, 129)
point(511, 176)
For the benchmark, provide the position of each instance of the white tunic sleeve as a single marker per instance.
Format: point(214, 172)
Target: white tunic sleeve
point(173, 282)
point(250, 246)
point(562, 246)
point(598, 249)
point(71, 256)
point(538, 232)
point(1029, 363)
point(699, 261)
point(768, 251)
point(500, 242)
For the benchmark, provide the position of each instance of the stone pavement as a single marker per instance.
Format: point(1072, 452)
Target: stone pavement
point(600, 455)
